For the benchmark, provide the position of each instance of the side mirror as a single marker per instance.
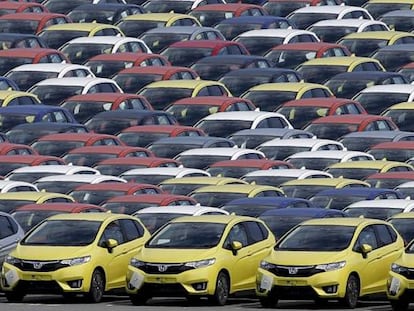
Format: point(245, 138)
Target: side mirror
point(365, 249)
point(110, 244)
point(235, 246)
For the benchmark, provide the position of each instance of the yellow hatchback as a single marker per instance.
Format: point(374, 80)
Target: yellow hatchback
point(73, 254)
point(330, 258)
point(14, 98)
point(211, 256)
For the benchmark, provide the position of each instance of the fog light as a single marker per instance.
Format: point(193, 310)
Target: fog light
point(200, 286)
point(75, 283)
point(331, 289)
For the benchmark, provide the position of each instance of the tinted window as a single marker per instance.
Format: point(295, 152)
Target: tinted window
point(6, 227)
point(132, 230)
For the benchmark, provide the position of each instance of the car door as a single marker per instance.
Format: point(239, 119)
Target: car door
point(128, 233)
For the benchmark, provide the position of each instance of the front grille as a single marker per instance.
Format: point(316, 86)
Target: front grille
point(295, 271)
point(39, 287)
point(409, 274)
point(40, 266)
point(164, 268)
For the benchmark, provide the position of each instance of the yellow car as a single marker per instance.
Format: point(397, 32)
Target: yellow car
point(56, 35)
point(400, 285)
point(330, 258)
point(305, 188)
point(402, 114)
point(80, 253)
point(136, 24)
point(365, 168)
point(270, 96)
point(319, 70)
point(14, 98)
point(185, 185)
point(365, 43)
point(210, 256)
point(379, 7)
point(9, 201)
point(162, 93)
point(217, 196)
point(403, 223)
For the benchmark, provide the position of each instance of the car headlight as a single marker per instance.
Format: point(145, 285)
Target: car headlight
point(12, 260)
point(136, 263)
point(398, 269)
point(75, 261)
point(200, 263)
point(267, 265)
point(331, 266)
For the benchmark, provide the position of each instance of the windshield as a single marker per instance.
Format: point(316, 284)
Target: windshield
point(56, 148)
point(200, 161)
point(26, 79)
point(95, 197)
point(58, 186)
point(185, 57)
point(404, 226)
point(134, 28)
point(317, 238)
point(304, 192)
point(28, 219)
point(334, 202)
point(266, 43)
point(217, 199)
point(269, 100)
point(160, 6)
point(54, 95)
point(401, 117)
point(281, 152)
point(283, 8)
point(268, 180)
point(400, 155)
point(348, 88)
point(251, 142)
point(304, 20)
point(372, 212)
point(132, 83)
point(180, 189)
point(319, 74)
point(223, 128)
point(56, 38)
point(210, 18)
point(363, 47)
point(187, 235)
point(398, 23)
point(161, 97)
point(331, 130)
point(7, 63)
point(63, 233)
point(289, 58)
point(313, 163)
point(332, 34)
point(19, 26)
point(158, 41)
point(106, 69)
point(354, 173)
point(153, 221)
point(146, 178)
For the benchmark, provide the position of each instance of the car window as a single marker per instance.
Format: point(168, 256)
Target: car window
point(112, 231)
point(237, 233)
point(132, 229)
point(256, 232)
point(6, 227)
point(60, 117)
point(366, 236)
point(384, 235)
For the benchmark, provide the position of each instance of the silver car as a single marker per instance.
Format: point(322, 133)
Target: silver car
point(10, 235)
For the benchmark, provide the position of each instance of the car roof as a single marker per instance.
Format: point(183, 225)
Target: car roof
point(324, 181)
point(348, 118)
point(83, 178)
point(346, 22)
point(287, 86)
point(388, 203)
point(292, 172)
point(241, 115)
point(373, 164)
point(305, 142)
point(57, 206)
point(181, 209)
point(103, 40)
point(354, 191)
point(78, 81)
point(382, 34)
point(330, 154)
point(58, 169)
point(224, 151)
point(180, 29)
point(54, 67)
point(317, 102)
point(359, 75)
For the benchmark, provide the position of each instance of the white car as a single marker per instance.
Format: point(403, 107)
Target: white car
point(156, 216)
point(321, 159)
point(331, 30)
point(155, 175)
point(380, 209)
point(66, 183)
point(279, 149)
point(270, 38)
point(223, 124)
point(32, 173)
point(306, 16)
point(79, 50)
point(55, 90)
point(28, 75)
point(277, 177)
point(15, 186)
point(201, 158)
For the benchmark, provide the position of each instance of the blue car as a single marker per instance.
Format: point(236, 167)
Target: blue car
point(281, 220)
point(256, 206)
point(340, 198)
point(232, 27)
point(14, 115)
point(8, 84)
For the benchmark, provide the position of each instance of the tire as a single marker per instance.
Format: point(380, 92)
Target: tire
point(352, 292)
point(97, 287)
point(399, 305)
point(222, 290)
point(139, 299)
point(14, 296)
point(269, 301)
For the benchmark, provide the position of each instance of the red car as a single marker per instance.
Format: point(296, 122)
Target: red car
point(389, 180)
point(10, 7)
point(293, 54)
point(238, 168)
point(106, 65)
point(334, 127)
point(10, 162)
point(186, 53)
point(99, 193)
point(31, 23)
point(16, 149)
point(90, 155)
point(211, 14)
point(393, 151)
point(117, 166)
point(300, 112)
point(85, 106)
point(188, 111)
point(60, 143)
point(143, 135)
point(11, 58)
point(30, 215)
point(131, 80)
point(129, 204)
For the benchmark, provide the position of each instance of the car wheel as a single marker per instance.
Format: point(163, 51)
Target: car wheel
point(399, 305)
point(221, 293)
point(139, 299)
point(97, 288)
point(352, 292)
point(14, 296)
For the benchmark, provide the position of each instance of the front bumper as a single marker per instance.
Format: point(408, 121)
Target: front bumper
point(399, 287)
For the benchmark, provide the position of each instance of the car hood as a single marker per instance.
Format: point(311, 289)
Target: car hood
point(50, 252)
point(168, 255)
point(299, 258)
